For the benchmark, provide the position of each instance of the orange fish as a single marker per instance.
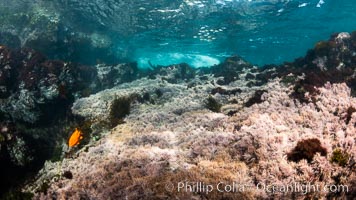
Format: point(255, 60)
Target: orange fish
point(75, 138)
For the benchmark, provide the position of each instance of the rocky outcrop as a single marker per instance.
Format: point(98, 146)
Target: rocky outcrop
point(109, 76)
point(330, 61)
point(263, 134)
point(178, 139)
point(281, 125)
point(36, 95)
point(40, 26)
point(30, 84)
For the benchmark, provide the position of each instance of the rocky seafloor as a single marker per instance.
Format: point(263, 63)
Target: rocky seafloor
point(148, 132)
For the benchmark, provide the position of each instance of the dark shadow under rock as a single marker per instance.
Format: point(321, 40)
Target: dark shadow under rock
point(222, 91)
point(119, 109)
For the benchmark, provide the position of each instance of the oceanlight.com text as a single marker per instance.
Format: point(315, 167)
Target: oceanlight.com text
point(235, 187)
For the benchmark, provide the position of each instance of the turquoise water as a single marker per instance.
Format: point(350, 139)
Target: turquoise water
point(262, 32)
point(199, 32)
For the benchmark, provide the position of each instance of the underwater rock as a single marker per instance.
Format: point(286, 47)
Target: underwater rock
point(307, 74)
point(18, 152)
point(14, 148)
point(35, 97)
point(172, 138)
point(173, 73)
point(169, 136)
point(41, 27)
point(220, 90)
point(158, 146)
point(31, 84)
point(16, 155)
point(256, 98)
point(113, 75)
point(330, 61)
point(230, 69)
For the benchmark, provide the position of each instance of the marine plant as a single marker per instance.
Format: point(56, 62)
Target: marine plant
point(323, 48)
point(289, 79)
point(306, 149)
point(212, 104)
point(340, 157)
point(67, 174)
point(119, 109)
point(349, 113)
point(256, 98)
point(44, 187)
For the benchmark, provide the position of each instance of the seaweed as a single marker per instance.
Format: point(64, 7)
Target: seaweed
point(145, 97)
point(289, 79)
point(349, 113)
point(323, 48)
point(212, 104)
point(249, 76)
point(256, 98)
point(308, 85)
point(340, 157)
point(159, 93)
point(43, 187)
point(217, 90)
point(67, 174)
point(223, 91)
point(232, 112)
point(230, 69)
point(306, 149)
point(119, 109)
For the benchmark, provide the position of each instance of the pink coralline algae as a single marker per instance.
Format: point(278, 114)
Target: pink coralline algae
point(136, 160)
point(286, 132)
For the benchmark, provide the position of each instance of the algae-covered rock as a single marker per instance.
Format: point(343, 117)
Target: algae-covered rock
point(119, 109)
point(113, 75)
point(19, 152)
point(30, 83)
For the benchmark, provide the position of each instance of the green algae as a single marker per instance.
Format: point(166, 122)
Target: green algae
point(340, 157)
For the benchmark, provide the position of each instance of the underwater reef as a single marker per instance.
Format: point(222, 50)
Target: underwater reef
point(146, 131)
point(40, 26)
point(35, 108)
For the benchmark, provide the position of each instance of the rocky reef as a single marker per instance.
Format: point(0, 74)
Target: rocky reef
point(41, 26)
point(36, 95)
point(233, 123)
